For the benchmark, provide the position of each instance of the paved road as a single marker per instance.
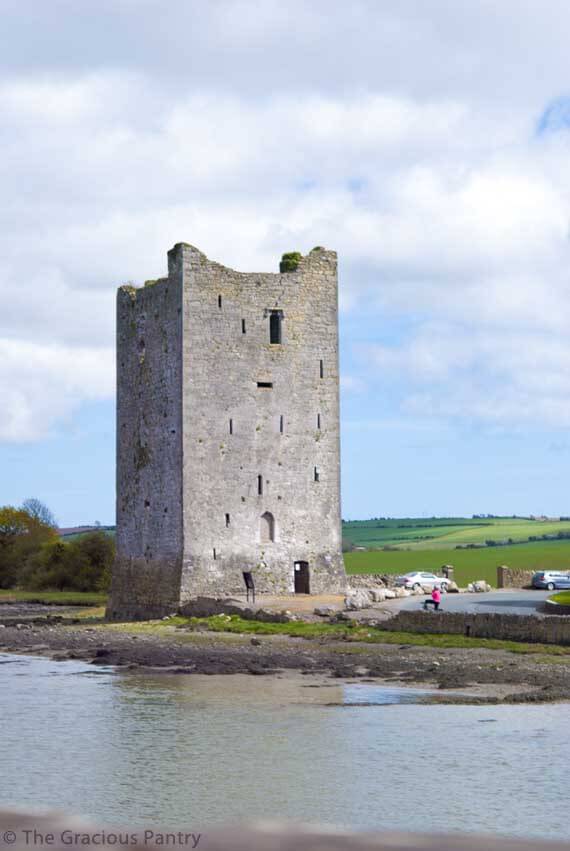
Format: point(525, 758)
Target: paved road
point(513, 602)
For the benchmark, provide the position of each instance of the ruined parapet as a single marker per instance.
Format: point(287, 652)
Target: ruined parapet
point(227, 433)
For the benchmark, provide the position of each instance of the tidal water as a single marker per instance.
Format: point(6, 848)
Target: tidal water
point(143, 750)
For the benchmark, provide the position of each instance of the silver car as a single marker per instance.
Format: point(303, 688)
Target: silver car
point(419, 579)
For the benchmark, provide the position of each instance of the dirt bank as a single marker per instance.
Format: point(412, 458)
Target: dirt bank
point(488, 675)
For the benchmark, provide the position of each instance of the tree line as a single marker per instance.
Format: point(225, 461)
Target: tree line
point(33, 557)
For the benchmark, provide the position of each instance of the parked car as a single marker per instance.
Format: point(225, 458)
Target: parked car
point(551, 579)
point(416, 579)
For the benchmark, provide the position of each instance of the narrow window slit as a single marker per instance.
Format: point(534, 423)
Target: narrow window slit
point(265, 384)
point(243, 326)
point(215, 555)
point(219, 301)
point(281, 423)
point(321, 369)
point(260, 485)
point(231, 426)
point(319, 421)
point(317, 474)
point(227, 520)
point(275, 327)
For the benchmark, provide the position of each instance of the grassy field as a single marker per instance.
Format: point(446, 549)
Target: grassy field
point(469, 564)
point(54, 598)
point(446, 532)
point(562, 598)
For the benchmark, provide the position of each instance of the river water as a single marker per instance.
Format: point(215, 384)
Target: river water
point(134, 749)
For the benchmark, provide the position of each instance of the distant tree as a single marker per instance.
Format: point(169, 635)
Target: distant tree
point(21, 535)
point(39, 511)
point(347, 545)
point(80, 565)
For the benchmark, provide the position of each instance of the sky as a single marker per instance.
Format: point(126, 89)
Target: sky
point(426, 141)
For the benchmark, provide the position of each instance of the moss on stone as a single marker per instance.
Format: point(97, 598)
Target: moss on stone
point(142, 456)
point(290, 262)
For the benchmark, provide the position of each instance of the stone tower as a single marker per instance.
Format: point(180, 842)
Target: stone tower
point(227, 433)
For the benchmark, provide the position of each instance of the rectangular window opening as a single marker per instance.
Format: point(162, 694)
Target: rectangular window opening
point(321, 369)
point(219, 301)
point(231, 426)
point(227, 520)
point(281, 423)
point(215, 555)
point(260, 485)
point(318, 421)
point(243, 326)
point(317, 474)
point(275, 327)
point(265, 384)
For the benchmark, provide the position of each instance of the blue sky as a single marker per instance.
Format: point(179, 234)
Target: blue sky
point(428, 143)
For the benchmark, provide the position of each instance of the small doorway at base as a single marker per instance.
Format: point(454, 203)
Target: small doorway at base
point(302, 577)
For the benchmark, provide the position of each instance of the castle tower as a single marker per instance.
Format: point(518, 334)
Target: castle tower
point(227, 433)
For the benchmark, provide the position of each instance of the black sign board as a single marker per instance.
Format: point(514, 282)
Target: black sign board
point(249, 584)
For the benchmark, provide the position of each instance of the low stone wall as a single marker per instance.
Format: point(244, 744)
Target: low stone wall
point(552, 608)
point(371, 580)
point(551, 630)
point(510, 577)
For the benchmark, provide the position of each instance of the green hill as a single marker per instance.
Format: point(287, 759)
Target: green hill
point(449, 532)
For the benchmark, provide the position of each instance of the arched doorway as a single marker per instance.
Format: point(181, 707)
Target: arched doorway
point(267, 528)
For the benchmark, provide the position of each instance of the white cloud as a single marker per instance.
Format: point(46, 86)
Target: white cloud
point(41, 383)
point(261, 129)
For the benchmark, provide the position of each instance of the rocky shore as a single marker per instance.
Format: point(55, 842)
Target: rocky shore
point(480, 674)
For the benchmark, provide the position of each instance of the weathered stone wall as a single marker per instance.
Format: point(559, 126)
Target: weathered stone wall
point(196, 433)
point(146, 575)
point(279, 433)
point(371, 580)
point(509, 577)
point(547, 630)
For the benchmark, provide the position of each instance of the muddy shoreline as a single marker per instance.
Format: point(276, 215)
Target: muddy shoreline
point(487, 676)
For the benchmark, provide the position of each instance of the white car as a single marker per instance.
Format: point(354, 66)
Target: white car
point(417, 579)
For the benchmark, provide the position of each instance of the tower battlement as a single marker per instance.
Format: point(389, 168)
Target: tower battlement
point(227, 433)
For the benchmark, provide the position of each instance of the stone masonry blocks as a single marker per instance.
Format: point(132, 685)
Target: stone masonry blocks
point(227, 438)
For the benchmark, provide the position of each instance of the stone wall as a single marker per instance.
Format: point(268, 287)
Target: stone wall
point(280, 433)
point(371, 580)
point(509, 577)
point(228, 443)
point(547, 630)
point(146, 575)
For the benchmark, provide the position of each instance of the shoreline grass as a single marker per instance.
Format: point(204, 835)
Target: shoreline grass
point(350, 632)
point(54, 598)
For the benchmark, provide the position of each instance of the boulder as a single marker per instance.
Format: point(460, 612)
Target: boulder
point(389, 594)
point(360, 599)
point(452, 588)
point(478, 587)
point(324, 611)
point(377, 595)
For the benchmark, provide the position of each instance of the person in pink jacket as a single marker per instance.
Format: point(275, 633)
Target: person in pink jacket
point(435, 599)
